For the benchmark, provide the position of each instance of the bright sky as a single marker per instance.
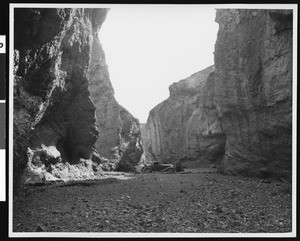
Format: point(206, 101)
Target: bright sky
point(148, 48)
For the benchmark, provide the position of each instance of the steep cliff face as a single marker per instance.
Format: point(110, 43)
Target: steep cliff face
point(107, 109)
point(251, 90)
point(180, 128)
point(146, 157)
point(130, 147)
point(65, 114)
point(245, 102)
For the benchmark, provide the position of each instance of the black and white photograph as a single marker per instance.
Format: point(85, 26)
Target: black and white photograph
point(152, 120)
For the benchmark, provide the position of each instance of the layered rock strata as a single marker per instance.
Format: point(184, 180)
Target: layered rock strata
point(65, 114)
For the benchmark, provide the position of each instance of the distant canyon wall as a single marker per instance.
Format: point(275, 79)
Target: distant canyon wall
point(180, 128)
point(244, 106)
point(65, 112)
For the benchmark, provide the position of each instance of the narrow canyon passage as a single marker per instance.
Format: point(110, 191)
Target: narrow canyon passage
point(231, 115)
point(217, 150)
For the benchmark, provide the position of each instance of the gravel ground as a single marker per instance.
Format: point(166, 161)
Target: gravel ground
point(187, 202)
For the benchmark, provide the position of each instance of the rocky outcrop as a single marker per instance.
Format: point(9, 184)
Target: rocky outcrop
point(245, 102)
point(146, 157)
point(180, 128)
point(65, 114)
point(251, 90)
point(130, 148)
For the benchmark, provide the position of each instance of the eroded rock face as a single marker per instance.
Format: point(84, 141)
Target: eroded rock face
point(180, 128)
point(245, 102)
point(63, 97)
point(146, 157)
point(119, 131)
point(251, 90)
point(130, 148)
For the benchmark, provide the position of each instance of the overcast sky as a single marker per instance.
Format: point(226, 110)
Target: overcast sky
point(148, 48)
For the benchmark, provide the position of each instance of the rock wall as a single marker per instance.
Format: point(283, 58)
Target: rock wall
point(146, 157)
point(65, 114)
point(131, 147)
point(251, 89)
point(180, 128)
point(244, 104)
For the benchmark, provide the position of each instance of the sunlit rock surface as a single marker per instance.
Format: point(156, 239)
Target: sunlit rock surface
point(251, 89)
point(180, 128)
point(63, 97)
point(242, 108)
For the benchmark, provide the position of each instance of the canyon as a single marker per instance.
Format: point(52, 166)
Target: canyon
point(181, 129)
point(235, 115)
point(67, 123)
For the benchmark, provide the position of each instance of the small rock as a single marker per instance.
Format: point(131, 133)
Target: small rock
point(40, 228)
point(266, 181)
point(239, 212)
point(283, 180)
point(274, 193)
point(236, 223)
point(99, 225)
point(219, 210)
